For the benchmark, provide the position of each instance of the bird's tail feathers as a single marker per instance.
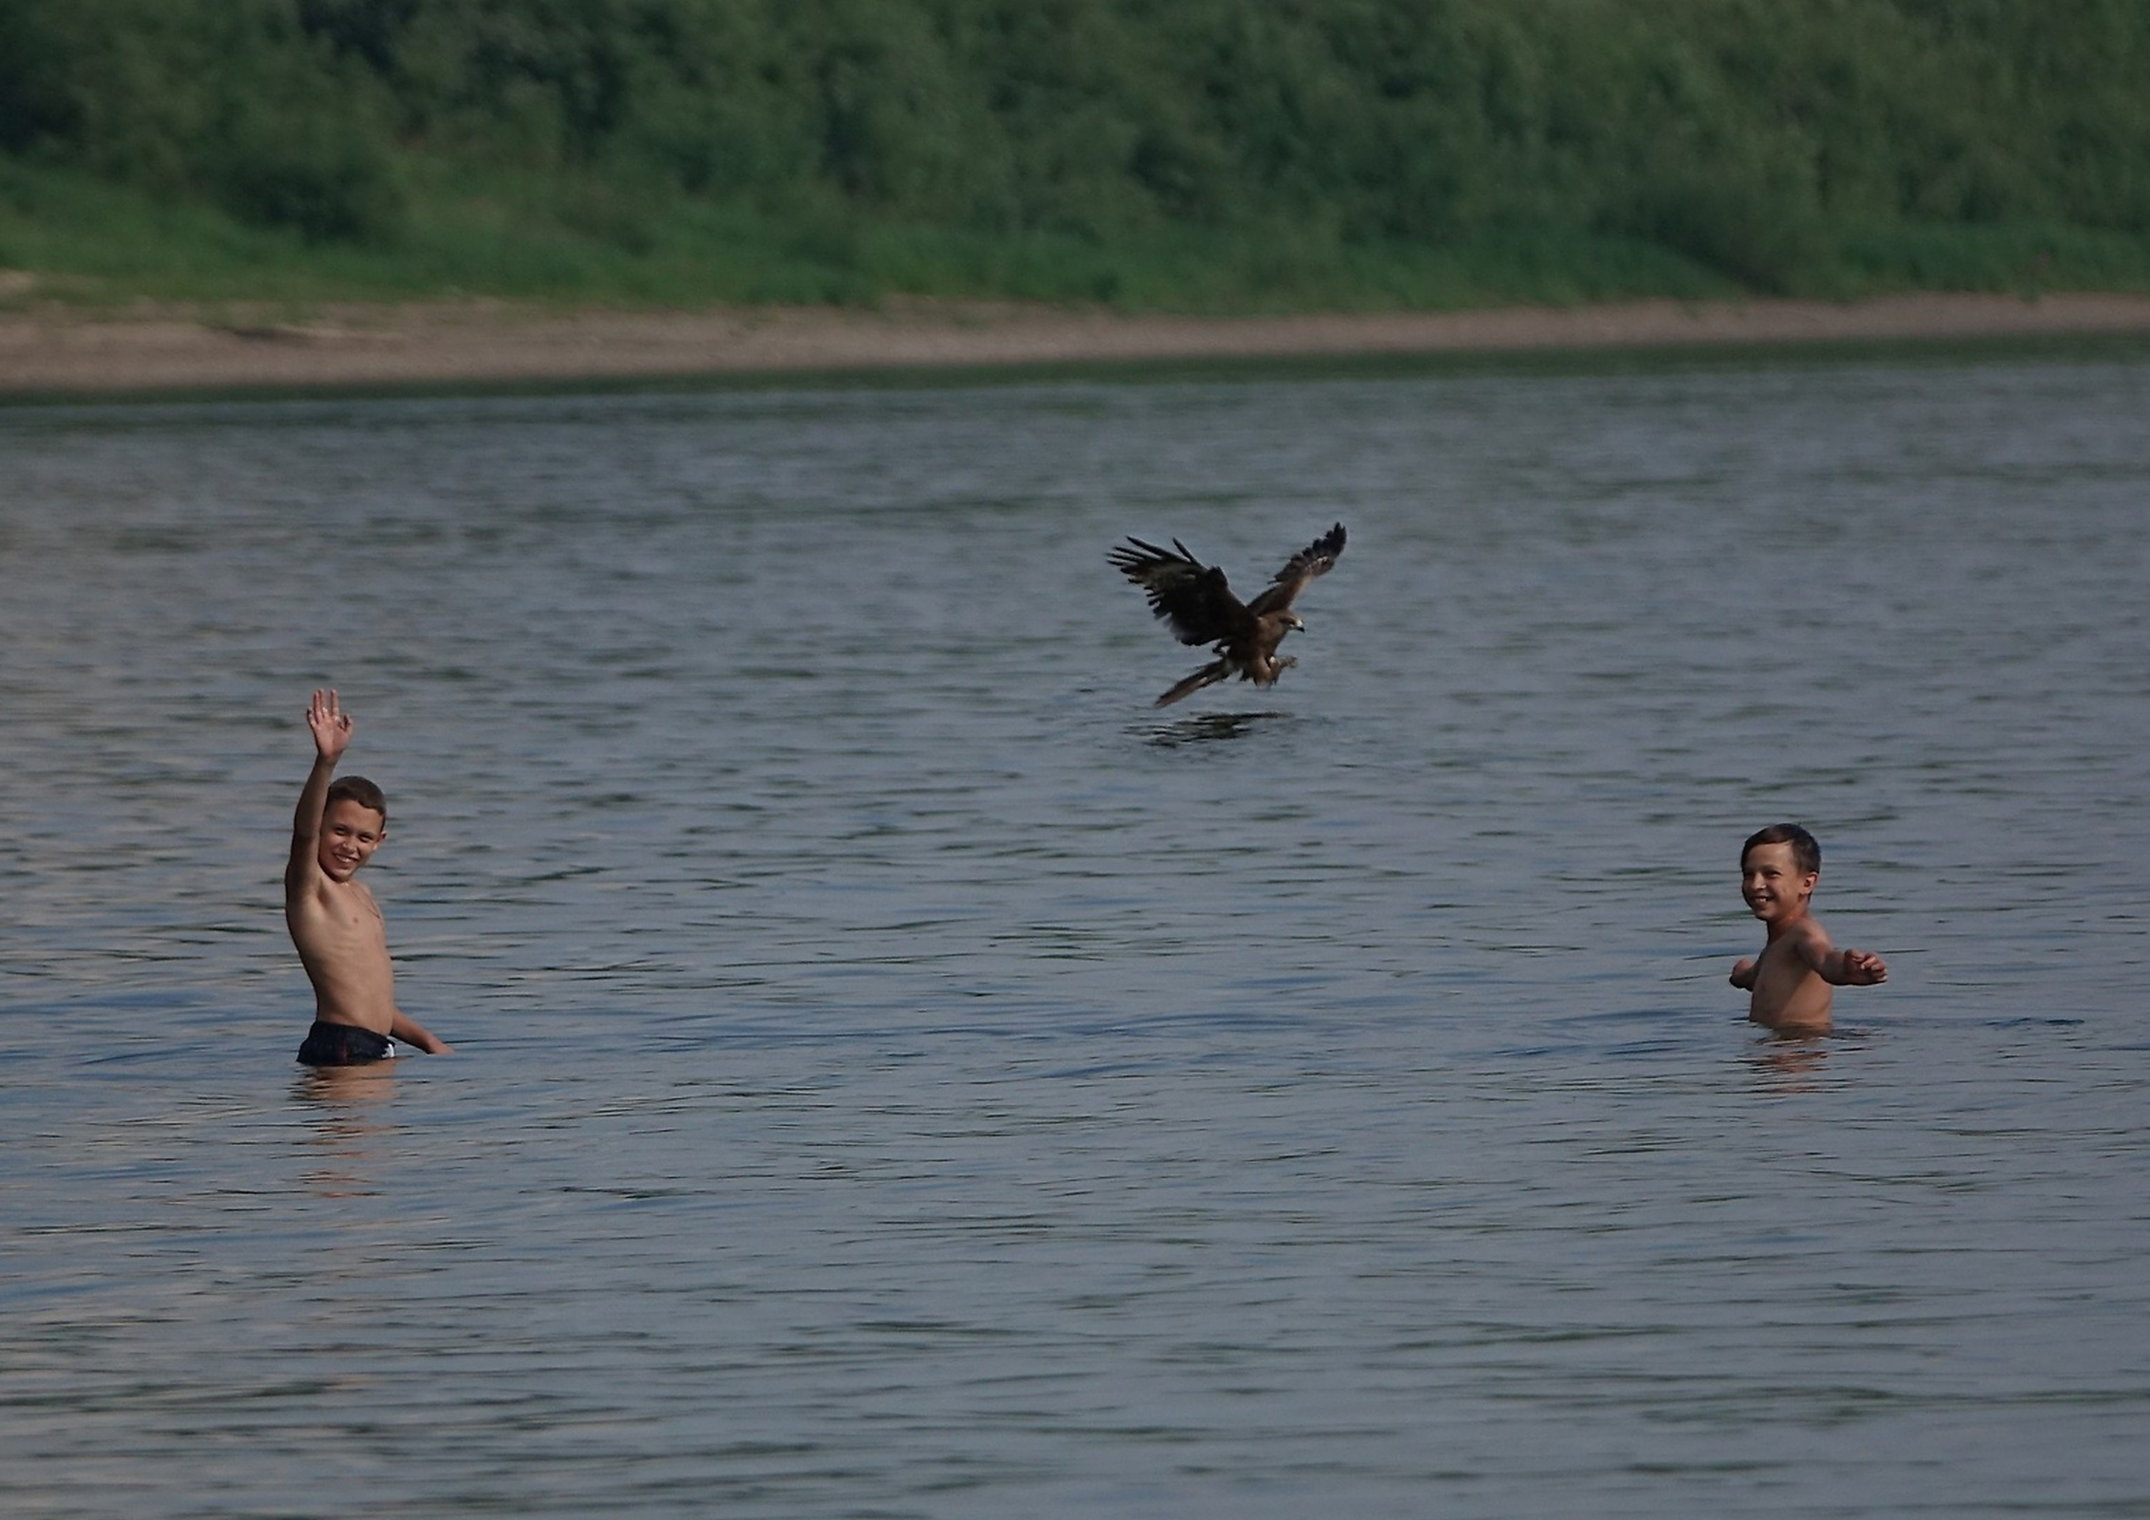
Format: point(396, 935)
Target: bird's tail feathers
point(1208, 675)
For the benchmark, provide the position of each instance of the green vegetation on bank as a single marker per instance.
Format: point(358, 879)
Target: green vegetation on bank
point(1181, 154)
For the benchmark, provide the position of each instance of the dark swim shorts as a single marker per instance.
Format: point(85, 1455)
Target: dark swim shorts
point(343, 1045)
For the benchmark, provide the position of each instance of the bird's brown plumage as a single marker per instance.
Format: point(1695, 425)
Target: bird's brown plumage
point(1193, 599)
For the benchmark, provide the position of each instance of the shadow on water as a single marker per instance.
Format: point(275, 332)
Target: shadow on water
point(1209, 728)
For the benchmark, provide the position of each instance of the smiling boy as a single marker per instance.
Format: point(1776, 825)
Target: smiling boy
point(334, 921)
point(1789, 983)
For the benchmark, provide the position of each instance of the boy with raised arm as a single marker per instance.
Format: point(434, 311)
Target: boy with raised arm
point(1789, 983)
point(334, 921)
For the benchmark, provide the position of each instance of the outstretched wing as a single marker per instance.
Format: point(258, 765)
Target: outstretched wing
point(1184, 592)
point(1315, 559)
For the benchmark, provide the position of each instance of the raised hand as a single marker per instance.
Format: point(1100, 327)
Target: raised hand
point(330, 724)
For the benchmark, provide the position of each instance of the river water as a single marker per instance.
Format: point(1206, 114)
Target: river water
point(902, 1073)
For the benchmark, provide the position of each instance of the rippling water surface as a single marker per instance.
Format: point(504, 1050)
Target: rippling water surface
point(903, 1074)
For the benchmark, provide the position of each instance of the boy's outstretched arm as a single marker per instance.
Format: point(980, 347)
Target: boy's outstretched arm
point(1857, 968)
point(1841, 968)
point(332, 729)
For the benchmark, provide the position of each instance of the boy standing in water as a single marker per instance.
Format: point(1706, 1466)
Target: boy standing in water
point(1789, 982)
point(334, 921)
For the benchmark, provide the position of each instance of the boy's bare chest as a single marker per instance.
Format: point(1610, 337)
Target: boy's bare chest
point(349, 913)
point(1781, 964)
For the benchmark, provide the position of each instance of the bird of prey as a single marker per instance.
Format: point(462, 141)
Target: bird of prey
point(1193, 598)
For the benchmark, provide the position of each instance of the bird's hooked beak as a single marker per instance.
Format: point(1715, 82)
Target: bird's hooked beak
point(1291, 621)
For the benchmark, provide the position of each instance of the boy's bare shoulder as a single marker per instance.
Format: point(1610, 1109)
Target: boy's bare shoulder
point(1806, 938)
point(319, 897)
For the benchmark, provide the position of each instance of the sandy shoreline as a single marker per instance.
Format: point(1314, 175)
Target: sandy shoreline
point(60, 352)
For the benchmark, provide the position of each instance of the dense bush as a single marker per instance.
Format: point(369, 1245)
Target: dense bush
point(1752, 138)
point(228, 100)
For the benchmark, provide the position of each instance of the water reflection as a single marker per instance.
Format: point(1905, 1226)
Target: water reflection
point(343, 1142)
point(1783, 1064)
point(1209, 728)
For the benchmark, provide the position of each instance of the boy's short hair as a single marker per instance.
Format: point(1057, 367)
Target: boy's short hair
point(359, 790)
point(1806, 853)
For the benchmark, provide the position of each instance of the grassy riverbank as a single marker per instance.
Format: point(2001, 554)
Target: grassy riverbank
point(1206, 156)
